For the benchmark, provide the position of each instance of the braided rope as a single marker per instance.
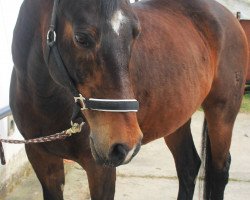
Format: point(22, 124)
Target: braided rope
point(75, 128)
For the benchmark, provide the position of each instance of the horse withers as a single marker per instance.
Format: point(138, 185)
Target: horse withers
point(171, 56)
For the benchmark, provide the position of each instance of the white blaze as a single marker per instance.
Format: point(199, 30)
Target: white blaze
point(117, 20)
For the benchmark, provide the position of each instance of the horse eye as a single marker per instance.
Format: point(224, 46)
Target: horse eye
point(83, 40)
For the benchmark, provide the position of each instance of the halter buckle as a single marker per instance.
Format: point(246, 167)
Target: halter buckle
point(81, 101)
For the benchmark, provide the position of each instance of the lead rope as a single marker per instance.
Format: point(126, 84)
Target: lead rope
point(75, 128)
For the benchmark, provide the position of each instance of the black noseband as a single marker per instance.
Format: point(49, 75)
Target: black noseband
point(106, 105)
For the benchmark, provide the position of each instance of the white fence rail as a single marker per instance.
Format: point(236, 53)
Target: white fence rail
point(5, 112)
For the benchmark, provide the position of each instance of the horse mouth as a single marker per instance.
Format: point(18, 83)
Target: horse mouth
point(101, 160)
point(129, 158)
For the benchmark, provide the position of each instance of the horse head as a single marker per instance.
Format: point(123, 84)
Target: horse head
point(95, 39)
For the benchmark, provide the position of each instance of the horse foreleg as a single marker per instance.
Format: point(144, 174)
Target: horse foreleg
point(49, 170)
point(186, 159)
point(101, 179)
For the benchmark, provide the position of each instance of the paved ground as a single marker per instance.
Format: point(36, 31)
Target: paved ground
point(151, 175)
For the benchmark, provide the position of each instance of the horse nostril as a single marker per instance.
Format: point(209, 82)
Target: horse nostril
point(118, 153)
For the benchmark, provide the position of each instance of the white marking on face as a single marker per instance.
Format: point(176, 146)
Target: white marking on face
point(130, 153)
point(117, 20)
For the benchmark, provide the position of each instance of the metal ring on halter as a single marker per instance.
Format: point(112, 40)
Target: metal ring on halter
point(51, 37)
point(81, 100)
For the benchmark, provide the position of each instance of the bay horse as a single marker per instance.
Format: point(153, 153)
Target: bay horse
point(171, 56)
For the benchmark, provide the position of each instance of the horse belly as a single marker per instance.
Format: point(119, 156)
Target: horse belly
point(167, 110)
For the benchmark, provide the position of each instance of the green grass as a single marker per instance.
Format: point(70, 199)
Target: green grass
point(245, 106)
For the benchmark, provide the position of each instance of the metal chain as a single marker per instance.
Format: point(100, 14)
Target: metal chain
point(75, 128)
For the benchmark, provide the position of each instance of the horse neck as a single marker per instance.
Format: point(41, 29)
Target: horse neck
point(27, 48)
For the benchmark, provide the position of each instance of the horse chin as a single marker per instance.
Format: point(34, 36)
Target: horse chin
point(95, 154)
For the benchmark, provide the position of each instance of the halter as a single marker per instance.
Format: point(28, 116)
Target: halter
point(82, 103)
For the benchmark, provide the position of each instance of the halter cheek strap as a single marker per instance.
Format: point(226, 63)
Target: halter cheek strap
point(63, 77)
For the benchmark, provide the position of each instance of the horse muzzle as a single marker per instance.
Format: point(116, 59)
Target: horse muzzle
point(118, 154)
